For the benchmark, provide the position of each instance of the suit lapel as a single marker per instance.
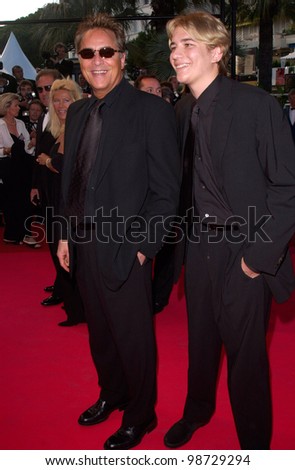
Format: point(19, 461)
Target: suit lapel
point(77, 121)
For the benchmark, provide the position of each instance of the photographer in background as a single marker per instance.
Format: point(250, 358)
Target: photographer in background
point(49, 60)
point(26, 94)
point(7, 82)
point(62, 64)
point(58, 60)
point(31, 118)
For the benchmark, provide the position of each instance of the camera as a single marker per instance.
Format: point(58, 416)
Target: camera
point(49, 59)
point(30, 96)
point(47, 55)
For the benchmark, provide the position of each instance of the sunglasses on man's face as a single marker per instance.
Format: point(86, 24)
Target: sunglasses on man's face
point(40, 89)
point(104, 52)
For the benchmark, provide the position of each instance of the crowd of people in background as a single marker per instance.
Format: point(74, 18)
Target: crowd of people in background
point(33, 103)
point(32, 99)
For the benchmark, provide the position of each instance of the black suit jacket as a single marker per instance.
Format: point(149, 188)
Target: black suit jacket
point(42, 177)
point(286, 111)
point(137, 176)
point(11, 83)
point(65, 67)
point(253, 158)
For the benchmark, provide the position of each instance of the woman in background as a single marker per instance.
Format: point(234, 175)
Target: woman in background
point(16, 154)
point(62, 94)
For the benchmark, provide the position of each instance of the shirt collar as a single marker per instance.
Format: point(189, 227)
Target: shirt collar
point(209, 95)
point(110, 97)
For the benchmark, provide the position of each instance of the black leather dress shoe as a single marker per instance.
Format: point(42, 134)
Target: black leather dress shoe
point(51, 300)
point(49, 288)
point(180, 433)
point(158, 307)
point(68, 323)
point(98, 412)
point(128, 437)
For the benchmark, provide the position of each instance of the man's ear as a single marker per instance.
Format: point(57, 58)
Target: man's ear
point(216, 54)
point(123, 59)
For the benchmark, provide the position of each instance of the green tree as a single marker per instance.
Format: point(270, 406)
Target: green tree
point(155, 55)
point(137, 51)
point(158, 54)
point(39, 37)
point(24, 35)
point(164, 8)
point(263, 13)
point(149, 51)
point(48, 34)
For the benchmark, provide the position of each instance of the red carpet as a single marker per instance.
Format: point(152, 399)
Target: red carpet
point(47, 377)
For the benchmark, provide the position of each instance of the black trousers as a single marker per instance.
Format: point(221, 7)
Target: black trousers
point(16, 205)
point(121, 334)
point(52, 240)
point(65, 285)
point(225, 307)
point(4, 177)
point(163, 279)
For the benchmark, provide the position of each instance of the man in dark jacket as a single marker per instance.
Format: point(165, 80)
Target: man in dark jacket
point(120, 185)
point(239, 187)
point(290, 111)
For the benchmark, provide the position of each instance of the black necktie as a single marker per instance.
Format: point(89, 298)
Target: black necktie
point(186, 191)
point(85, 159)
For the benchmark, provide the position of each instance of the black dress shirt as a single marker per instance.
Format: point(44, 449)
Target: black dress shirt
point(211, 204)
point(106, 112)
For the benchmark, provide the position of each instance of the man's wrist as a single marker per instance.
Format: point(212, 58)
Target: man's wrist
point(48, 162)
point(248, 270)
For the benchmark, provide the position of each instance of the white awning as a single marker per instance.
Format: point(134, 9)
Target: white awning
point(289, 56)
point(14, 55)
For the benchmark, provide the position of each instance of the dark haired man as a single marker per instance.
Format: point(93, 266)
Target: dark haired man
point(120, 184)
point(62, 63)
point(149, 84)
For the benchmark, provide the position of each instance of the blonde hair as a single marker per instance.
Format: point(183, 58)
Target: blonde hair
point(66, 84)
point(206, 28)
point(6, 100)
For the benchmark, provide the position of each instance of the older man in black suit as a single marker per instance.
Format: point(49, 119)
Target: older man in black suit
point(239, 182)
point(120, 184)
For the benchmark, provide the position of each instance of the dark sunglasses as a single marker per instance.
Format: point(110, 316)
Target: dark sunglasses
point(41, 88)
point(104, 52)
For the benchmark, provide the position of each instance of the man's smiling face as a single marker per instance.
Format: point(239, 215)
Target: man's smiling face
point(102, 74)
